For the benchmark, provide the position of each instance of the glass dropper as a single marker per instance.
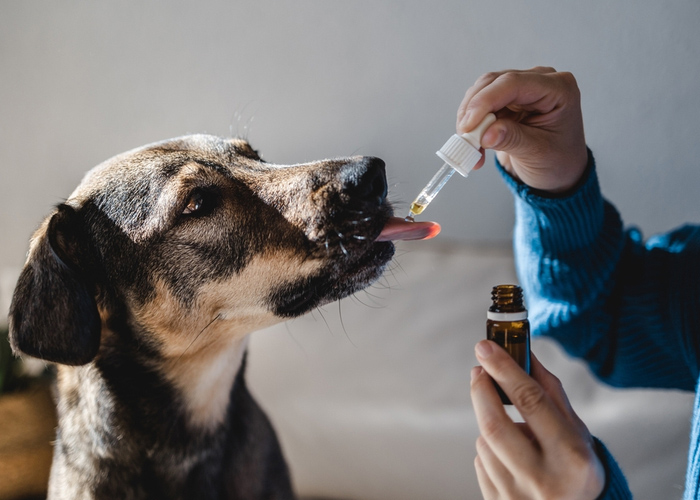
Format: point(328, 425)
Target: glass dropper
point(430, 190)
point(460, 153)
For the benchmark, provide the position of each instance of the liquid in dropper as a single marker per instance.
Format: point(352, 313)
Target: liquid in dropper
point(430, 191)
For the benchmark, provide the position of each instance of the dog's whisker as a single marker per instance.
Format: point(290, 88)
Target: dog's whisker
point(393, 276)
point(342, 247)
point(375, 298)
point(342, 323)
point(217, 317)
point(360, 221)
point(383, 287)
point(358, 237)
point(398, 265)
point(330, 330)
point(247, 126)
point(374, 304)
point(296, 341)
point(382, 284)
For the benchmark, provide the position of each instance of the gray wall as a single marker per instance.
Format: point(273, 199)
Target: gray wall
point(81, 81)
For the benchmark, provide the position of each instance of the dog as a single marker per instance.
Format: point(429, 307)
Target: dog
point(143, 287)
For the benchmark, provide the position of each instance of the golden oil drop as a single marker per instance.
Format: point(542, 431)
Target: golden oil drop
point(417, 208)
point(508, 326)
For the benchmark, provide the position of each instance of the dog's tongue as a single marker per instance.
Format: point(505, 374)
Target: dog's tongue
point(400, 229)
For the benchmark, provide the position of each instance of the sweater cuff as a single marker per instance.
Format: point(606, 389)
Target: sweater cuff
point(565, 222)
point(616, 487)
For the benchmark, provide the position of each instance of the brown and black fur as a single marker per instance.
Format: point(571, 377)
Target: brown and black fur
point(143, 287)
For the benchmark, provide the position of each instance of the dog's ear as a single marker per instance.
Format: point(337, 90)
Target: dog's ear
point(53, 315)
point(244, 148)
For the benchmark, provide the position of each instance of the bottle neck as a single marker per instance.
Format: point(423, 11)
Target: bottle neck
point(507, 303)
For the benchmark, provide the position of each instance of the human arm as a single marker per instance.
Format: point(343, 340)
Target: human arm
point(630, 308)
point(551, 454)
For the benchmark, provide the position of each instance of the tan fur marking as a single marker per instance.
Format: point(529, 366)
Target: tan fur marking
point(204, 347)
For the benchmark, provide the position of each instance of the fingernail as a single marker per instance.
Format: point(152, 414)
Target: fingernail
point(476, 371)
point(493, 137)
point(484, 349)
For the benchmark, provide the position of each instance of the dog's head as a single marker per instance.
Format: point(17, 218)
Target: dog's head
point(171, 237)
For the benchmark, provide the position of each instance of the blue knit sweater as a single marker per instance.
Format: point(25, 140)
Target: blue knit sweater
point(630, 308)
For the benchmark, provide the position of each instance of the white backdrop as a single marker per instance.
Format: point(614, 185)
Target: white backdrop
point(309, 79)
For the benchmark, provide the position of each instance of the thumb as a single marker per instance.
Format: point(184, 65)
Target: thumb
point(510, 137)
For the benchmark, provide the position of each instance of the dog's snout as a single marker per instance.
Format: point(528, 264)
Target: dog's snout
point(370, 185)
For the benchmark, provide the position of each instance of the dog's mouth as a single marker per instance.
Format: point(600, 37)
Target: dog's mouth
point(352, 235)
point(333, 283)
point(354, 268)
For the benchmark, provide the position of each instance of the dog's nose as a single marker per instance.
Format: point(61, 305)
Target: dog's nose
point(370, 185)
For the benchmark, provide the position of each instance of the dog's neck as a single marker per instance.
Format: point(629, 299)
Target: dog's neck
point(195, 384)
point(203, 378)
point(197, 351)
point(122, 415)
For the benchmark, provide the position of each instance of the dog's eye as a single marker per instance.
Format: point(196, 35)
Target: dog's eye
point(200, 202)
point(194, 204)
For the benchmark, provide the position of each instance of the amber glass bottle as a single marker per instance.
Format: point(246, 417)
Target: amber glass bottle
point(507, 325)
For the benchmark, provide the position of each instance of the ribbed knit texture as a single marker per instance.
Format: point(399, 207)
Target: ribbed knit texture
point(615, 484)
point(631, 309)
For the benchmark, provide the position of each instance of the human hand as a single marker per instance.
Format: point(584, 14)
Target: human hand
point(551, 455)
point(539, 135)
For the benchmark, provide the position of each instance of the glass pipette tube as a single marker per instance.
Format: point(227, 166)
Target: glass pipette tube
point(461, 154)
point(430, 190)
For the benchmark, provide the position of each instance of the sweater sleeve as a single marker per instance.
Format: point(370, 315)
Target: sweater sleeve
point(616, 487)
point(631, 309)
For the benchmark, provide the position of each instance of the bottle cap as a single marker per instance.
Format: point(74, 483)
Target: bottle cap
point(461, 152)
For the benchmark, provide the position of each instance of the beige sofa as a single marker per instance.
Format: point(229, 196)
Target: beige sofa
point(371, 397)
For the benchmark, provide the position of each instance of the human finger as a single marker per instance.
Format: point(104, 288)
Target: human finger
point(550, 383)
point(527, 395)
point(513, 449)
point(482, 82)
point(515, 91)
point(479, 84)
point(493, 476)
point(488, 489)
point(513, 138)
point(527, 432)
point(482, 160)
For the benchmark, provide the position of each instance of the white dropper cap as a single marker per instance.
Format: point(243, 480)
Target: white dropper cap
point(461, 152)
